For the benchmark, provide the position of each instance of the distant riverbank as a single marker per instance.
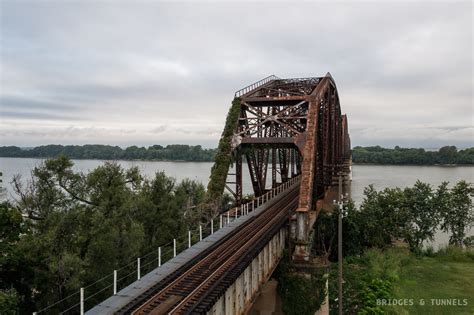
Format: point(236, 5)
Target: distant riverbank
point(445, 156)
point(375, 155)
point(174, 152)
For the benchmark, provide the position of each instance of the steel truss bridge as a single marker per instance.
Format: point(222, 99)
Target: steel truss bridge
point(291, 139)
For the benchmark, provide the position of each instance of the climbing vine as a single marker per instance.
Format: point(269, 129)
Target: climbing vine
point(223, 158)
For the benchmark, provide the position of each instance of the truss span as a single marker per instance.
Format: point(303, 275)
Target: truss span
point(283, 128)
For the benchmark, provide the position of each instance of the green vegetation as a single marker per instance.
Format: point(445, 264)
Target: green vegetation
point(447, 274)
point(367, 278)
point(412, 214)
point(376, 270)
point(448, 155)
point(175, 152)
point(223, 157)
point(70, 229)
point(395, 275)
point(410, 156)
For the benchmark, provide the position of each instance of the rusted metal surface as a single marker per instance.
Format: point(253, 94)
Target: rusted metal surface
point(255, 85)
point(298, 122)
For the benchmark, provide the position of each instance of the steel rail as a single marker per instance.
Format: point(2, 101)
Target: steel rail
point(184, 306)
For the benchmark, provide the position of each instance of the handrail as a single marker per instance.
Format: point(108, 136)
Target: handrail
point(255, 85)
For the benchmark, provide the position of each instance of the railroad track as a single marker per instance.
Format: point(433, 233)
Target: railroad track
point(194, 289)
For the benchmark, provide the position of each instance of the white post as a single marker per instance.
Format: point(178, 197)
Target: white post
point(200, 233)
point(115, 282)
point(189, 239)
point(138, 268)
point(220, 222)
point(174, 247)
point(212, 226)
point(228, 217)
point(81, 301)
point(159, 256)
point(236, 212)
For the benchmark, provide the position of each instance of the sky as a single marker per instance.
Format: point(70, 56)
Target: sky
point(154, 72)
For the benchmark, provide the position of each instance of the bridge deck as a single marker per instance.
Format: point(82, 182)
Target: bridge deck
point(140, 287)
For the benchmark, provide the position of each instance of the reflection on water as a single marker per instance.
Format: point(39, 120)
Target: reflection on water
point(362, 175)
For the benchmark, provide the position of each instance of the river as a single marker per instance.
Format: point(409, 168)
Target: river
point(362, 175)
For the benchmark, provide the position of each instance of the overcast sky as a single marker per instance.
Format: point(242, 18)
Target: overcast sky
point(141, 72)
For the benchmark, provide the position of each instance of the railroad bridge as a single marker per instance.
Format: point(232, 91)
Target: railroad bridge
point(286, 139)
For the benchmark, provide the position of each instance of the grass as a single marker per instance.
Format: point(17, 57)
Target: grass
point(396, 274)
point(448, 274)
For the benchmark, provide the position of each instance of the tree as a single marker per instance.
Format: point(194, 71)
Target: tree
point(11, 277)
point(458, 213)
point(382, 217)
point(424, 215)
point(83, 226)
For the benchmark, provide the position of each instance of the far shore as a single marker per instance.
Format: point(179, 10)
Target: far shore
point(188, 161)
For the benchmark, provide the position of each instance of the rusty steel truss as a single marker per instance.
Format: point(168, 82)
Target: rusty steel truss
point(288, 127)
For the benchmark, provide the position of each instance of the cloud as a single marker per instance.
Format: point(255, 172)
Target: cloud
point(168, 70)
point(159, 129)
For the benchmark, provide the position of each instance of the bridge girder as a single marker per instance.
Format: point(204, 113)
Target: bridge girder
point(288, 127)
point(298, 117)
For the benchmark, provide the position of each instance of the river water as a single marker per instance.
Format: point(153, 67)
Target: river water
point(362, 175)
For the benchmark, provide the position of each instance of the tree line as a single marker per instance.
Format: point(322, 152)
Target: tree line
point(182, 152)
point(412, 156)
point(174, 152)
point(410, 214)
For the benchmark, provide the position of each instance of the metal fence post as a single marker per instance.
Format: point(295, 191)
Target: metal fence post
point(189, 239)
point(228, 217)
point(174, 247)
point(159, 256)
point(212, 226)
point(220, 222)
point(115, 282)
point(200, 233)
point(138, 268)
point(81, 301)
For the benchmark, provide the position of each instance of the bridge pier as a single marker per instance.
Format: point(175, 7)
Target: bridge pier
point(301, 225)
